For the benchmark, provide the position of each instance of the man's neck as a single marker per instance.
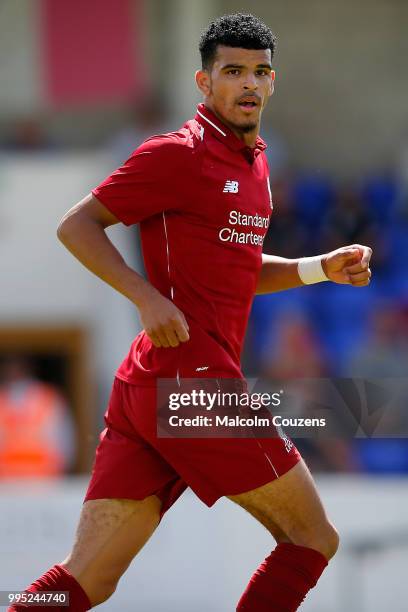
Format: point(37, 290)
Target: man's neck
point(249, 138)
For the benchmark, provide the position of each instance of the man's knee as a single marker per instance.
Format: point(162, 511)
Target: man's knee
point(324, 538)
point(327, 542)
point(333, 542)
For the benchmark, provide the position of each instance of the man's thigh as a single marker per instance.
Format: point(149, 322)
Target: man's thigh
point(289, 507)
point(109, 535)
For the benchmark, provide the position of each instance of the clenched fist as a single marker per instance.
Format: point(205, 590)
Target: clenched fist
point(349, 265)
point(162, 321)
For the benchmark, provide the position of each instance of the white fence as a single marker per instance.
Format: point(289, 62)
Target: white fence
point(200, 559)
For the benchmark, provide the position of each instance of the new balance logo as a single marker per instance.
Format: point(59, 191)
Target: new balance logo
point(231, 187)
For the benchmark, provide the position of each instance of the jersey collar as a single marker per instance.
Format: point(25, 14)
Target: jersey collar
point(208, 120)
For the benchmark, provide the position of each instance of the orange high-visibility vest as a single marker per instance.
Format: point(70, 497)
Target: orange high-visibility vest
point(26, 447)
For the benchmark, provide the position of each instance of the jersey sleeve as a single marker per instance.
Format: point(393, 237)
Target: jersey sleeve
point(148, 183)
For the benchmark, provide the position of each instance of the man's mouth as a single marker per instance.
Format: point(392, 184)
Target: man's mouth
point(248, 103)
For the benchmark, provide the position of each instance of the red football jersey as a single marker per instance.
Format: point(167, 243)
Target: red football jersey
point(203, 202)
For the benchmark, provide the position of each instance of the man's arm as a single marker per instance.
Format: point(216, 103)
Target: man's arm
point(82, 231)
point(347, 265)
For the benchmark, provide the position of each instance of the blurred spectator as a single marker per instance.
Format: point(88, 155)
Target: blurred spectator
point(27, 135)
point(385, 352)
point(286, 236)
point(384, 355)
point(332, 329)
point(340, 315)
point(328, 455)
point(144, 119)
point(295, 351)
point(348, 221)
point(36, 430)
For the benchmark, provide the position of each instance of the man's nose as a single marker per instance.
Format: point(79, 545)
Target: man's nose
point(251, 82)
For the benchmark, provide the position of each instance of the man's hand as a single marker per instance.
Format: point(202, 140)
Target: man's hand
point(348, 265)
point(162, 321)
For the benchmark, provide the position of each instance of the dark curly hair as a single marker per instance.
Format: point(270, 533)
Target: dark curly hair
point(238, 30)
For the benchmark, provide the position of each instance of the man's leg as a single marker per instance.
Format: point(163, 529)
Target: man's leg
point(290, 508)
point(109, 535)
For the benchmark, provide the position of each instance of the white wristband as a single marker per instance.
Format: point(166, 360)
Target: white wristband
point(310, 270)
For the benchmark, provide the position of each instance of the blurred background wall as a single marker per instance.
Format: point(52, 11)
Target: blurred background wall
point(81, 85)
point(340, 100)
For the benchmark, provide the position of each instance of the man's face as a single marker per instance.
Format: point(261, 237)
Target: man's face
point(238, 85)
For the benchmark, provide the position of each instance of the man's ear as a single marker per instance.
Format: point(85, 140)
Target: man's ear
point(202, 78)
point(273, 75)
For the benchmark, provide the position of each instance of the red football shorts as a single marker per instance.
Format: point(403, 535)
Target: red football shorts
point(132, 462)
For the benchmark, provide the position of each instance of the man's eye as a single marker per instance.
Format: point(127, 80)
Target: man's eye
point(233, 71)
point(261, 72)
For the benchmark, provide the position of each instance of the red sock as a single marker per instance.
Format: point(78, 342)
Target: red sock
point(283, 580)
point(57, 579)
